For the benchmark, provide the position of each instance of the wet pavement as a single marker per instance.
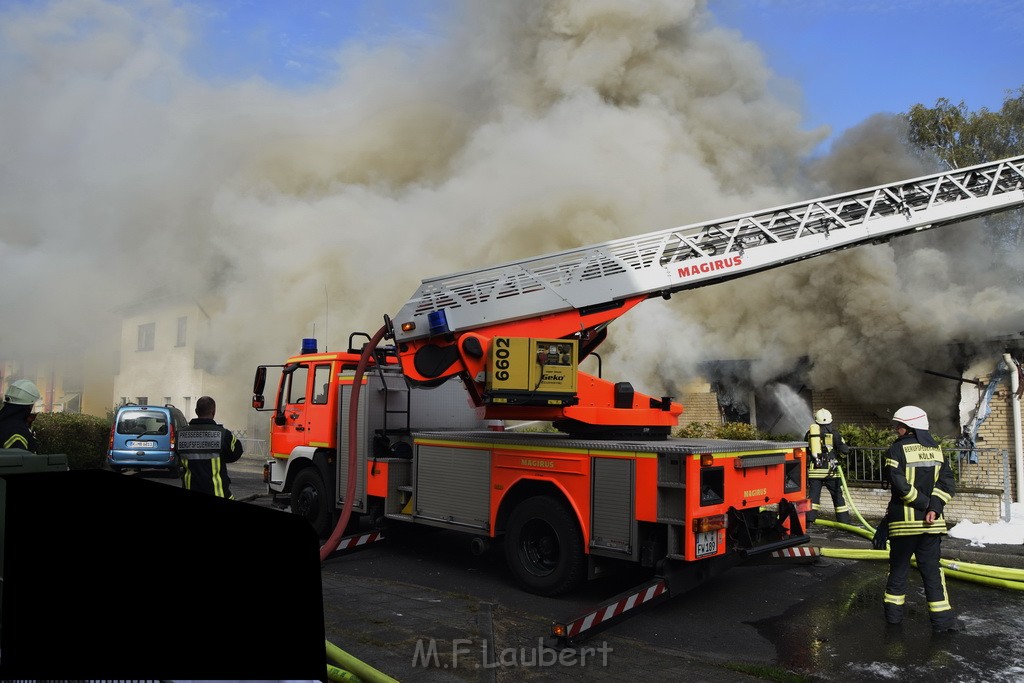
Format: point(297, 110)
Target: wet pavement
point(416, 630)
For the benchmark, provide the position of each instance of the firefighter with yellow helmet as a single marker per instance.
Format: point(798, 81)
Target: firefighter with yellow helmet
point(922, 483)
point(825, 445)
point(17, 415)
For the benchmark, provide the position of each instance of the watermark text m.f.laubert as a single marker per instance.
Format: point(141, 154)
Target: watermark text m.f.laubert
point(464, 654)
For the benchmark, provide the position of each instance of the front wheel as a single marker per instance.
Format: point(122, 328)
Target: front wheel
point(544, 546)
point(309, 500)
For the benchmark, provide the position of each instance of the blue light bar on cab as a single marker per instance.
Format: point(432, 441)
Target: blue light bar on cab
point(438, 322)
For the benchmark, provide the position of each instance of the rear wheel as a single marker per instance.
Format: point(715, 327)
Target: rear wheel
point(544, 546)
point(309, 500)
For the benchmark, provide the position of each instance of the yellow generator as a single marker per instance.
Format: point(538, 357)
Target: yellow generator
point(531, 372)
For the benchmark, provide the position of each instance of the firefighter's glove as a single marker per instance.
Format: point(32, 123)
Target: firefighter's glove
point(881, 536)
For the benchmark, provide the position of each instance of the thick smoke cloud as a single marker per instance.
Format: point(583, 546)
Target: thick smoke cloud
point(524, 128)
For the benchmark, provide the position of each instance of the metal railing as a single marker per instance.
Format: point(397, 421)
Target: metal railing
point(254, 447)
point(977, 468)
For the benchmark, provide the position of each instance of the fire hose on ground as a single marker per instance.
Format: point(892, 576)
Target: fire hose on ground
point(989, 575)
point(354, 669)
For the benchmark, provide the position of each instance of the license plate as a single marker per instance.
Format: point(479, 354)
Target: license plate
point(142, 444)
point(707, 543)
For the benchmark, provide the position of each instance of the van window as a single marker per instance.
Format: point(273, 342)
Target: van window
point(139, 422)
point(179, 418)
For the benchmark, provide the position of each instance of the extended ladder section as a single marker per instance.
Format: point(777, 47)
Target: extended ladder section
point(667, 261)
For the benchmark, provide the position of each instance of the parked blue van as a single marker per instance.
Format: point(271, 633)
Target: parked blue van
point(145, 437)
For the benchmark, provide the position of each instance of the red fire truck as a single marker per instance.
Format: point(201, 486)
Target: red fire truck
point(399, 434)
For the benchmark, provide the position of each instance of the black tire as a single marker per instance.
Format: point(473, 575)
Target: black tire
point(309, 501)
point(544, 546)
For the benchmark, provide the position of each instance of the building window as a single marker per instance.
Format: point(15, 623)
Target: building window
point(147, 335)
point(188, 405)
point(142, 400)
point(182, 330)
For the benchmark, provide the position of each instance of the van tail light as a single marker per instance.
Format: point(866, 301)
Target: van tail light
point(110, 441)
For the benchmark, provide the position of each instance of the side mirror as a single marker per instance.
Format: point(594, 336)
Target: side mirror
point(259, 381)
point(258, 401)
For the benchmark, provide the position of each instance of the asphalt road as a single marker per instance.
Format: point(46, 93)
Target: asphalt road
point(817, 621)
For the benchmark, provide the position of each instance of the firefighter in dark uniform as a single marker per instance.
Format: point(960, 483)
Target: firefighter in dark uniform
point(205, 448)
point(922, 484)
point(824, 447)
point(16, 416)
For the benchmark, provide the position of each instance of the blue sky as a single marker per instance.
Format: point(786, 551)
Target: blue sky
point(850, 58)
point(853, 58)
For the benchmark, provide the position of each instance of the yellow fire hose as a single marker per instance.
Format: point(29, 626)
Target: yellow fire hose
point(989, 575)
point(340, 675)
point(356, 670)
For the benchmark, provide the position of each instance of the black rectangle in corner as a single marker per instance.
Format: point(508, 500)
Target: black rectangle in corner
point(112, 576)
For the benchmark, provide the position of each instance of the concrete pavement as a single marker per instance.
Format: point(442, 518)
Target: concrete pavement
point(414, 633)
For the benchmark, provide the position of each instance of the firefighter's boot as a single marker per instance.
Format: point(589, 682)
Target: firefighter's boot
point(944, 622)
point(893, 613)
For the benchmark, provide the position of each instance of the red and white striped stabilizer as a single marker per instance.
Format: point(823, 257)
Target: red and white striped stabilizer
point(359, 540)
point(613, 610)
point(798, 551)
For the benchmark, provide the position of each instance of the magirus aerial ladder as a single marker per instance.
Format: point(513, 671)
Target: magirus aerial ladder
point(446, 327)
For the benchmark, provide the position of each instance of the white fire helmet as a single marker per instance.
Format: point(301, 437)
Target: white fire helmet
point(22, 392)
point(823, 417)
point(911, 416)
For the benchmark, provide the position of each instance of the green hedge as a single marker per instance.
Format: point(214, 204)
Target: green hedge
point(83, 438)
point(736, 431)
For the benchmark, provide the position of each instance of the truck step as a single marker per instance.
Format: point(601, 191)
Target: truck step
point(398, 515)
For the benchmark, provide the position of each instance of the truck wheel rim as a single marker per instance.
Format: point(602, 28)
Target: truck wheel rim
point(538, 548)
point(308, 502)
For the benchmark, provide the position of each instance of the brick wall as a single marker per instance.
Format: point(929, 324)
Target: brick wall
point(700, 407)
point(997, 429)
point(845, 411)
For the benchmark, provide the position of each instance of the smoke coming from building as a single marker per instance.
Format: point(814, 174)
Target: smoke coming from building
point(514, 129)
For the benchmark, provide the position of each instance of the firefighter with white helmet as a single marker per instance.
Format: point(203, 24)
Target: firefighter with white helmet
point(824, 447)
point(16, 416)
point(922, 483)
